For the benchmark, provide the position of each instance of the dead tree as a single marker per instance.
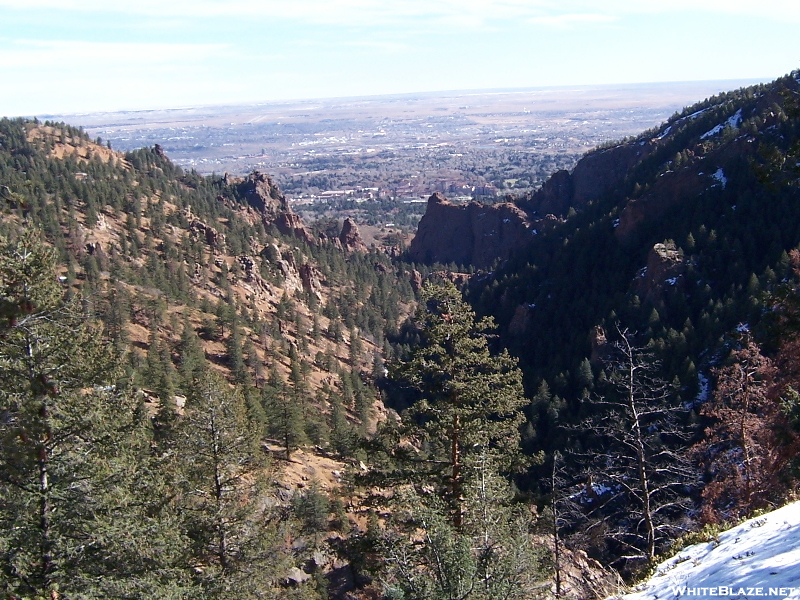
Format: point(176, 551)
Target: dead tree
point(638, 475)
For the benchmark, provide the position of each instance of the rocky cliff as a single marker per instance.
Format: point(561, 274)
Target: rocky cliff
point(597, 174)
point(260, 192)
point(264, 196)
point(478, 235)
point(470, 234)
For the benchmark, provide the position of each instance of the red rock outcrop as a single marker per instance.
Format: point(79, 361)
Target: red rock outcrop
point(598, 173)
point(669, 190)
point(212, 237)
point(263, 194)
point(473, 234)
point(350, 238)
point(310, 278)
point(521, 321)
point(415, 278)
point(599, 345)
point(289, 223)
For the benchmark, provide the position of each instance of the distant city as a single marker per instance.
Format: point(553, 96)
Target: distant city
point(467, 145)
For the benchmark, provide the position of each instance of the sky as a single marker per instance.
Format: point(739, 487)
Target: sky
point(82, 56)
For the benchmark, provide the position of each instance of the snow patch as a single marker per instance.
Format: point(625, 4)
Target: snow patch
point(760, 557)
point(665, 133)
point(743, 328)
point(720, 177)
point(704, 386)
point(696, 114)
point(733, 121)
point(671, 280)
point(616, 223)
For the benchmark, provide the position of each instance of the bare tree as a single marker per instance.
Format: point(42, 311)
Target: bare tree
point(638, 475)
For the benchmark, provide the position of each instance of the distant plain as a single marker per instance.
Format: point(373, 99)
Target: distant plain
point(409, 143)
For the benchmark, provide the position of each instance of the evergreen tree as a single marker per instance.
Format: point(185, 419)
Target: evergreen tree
point(470, 399)
point(492, 554)
point(71, 441)
point(235, 541)
point(192, 357)
point(283, 413)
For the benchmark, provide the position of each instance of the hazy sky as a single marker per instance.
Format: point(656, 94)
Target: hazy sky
point(70, 56)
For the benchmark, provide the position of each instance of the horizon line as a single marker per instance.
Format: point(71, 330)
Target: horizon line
point(460, 92)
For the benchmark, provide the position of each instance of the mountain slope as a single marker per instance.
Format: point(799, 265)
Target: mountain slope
point(674, 233)
point(176, 264)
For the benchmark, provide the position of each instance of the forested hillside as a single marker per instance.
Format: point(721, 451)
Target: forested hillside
point(173, 346)
point(202, 396)
point(653, 289)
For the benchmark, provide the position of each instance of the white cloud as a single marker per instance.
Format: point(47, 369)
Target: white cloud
point(565, 21)
point(53, 54)
point(374, 12)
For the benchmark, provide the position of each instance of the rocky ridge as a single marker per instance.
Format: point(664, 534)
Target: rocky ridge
point(473, 234)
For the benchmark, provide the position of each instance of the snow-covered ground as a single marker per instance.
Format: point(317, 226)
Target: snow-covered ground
point(760, 557)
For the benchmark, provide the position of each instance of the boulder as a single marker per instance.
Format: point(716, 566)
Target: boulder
point(211, 236)
point(665, 269)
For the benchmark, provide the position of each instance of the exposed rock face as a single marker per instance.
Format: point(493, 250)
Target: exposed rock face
point(416, 280)
point(263, 194)
point(599, 344)
point(586, 579)
point(665, 268)
point(686, 184)
point(521, 321)
point(555, 196)
point(289, 223)
point(350, 238)
point(668, 191)
point(248, 267)
point(212, 237)
point(310, 278)
point(596, 174)
point(468, 234)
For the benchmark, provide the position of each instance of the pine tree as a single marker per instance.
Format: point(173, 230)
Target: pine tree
point(192, 357)
point(283, 413)
point(471, 399)
point(491, 554)
point(236, 548)
point(71, 440)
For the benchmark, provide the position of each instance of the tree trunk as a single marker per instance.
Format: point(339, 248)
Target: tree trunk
point(641, 456)
point(556, 541)
point(45, 541)
point(455, 490)
point(222, 549)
